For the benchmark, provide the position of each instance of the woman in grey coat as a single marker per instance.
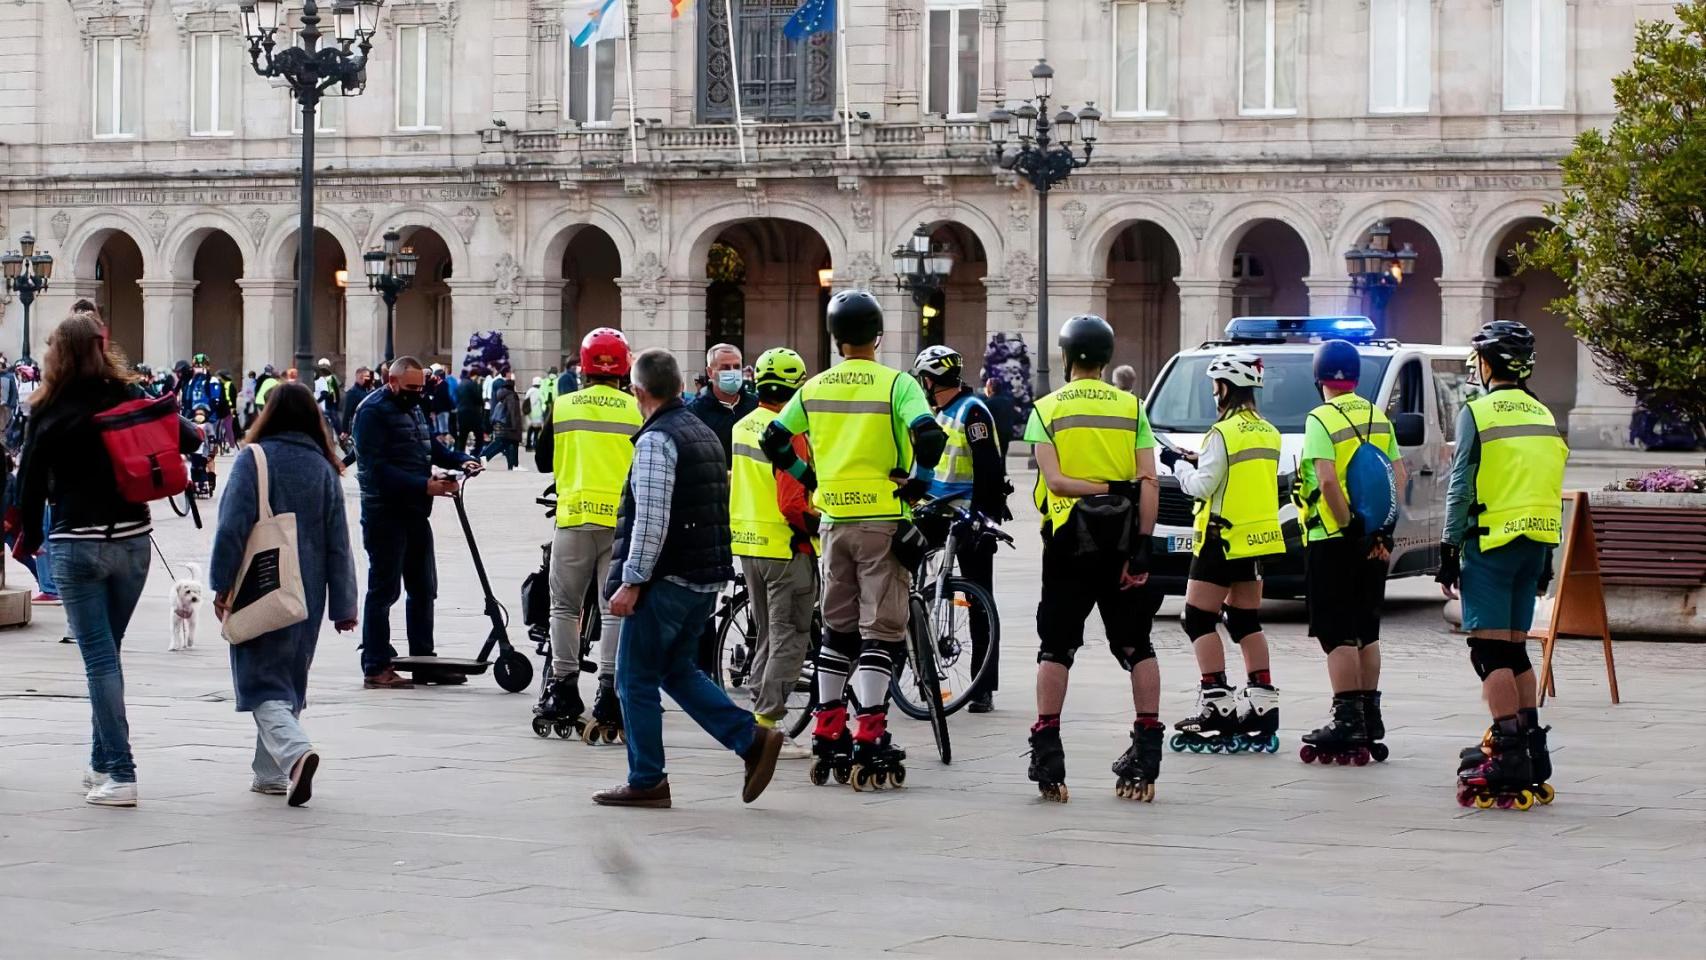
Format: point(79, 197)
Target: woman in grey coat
point(270, 672)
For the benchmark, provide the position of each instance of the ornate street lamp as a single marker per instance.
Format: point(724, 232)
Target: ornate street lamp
point(1376, 270)
point(27, 272)
point(921, 269)
point(390, 268)
point(311, 71)
point(1043, 157)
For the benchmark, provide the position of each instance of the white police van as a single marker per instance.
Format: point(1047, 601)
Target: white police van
point(1421, 388)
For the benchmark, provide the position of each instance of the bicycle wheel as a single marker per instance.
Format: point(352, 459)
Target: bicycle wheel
point(924, 681)
point(964, 603)
point(802, 703)
point(592, 627)
point(179, 503)
point(736, 634)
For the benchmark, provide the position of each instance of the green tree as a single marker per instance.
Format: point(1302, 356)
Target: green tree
point(1630, 234)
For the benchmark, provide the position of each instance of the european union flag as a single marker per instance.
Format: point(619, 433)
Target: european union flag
point(813, 16)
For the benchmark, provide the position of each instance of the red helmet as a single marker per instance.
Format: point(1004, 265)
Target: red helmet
point(604, 352)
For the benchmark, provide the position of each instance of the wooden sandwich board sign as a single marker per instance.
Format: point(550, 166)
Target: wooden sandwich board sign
point(1578, 601)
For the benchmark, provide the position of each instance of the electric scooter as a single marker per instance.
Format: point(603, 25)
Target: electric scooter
point(512, 670)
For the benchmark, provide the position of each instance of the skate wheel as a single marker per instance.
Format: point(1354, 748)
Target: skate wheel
point(819, 775)
point(1122, 789)
point(1177, 742)
point(1146, 793)
point(1465, 797)
point(860, 778)
point(1524, 800)
point(1273, 743)
point(1361, 757)
point(541, 727)
point(1545, 794)
point(1061, 795)
point(1380, 751)
point(1483, 802)
point(842, 775)
point(1215, 746)
point(880, 779)
point(1505, 802)
point(1343, 759)
point(898, 777)
point(1198, 746)
point(565, 729)
point(1306, 753)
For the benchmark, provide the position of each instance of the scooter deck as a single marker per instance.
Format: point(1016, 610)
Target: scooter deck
point(441, 664)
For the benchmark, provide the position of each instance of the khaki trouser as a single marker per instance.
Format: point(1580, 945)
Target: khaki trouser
point(783, 594)
point(864, 586)
point(580, 556)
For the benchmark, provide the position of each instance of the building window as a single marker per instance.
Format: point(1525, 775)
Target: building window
point(780, 80)
point(590, 86)
point(420, 78)
point(1268, 42)
point(215, 60)
point(951, 58)
point(1534, 54)
point(1400, 55)
point(1140, 60)
point(117, 85)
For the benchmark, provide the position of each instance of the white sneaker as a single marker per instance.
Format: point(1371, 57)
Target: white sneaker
point(272, 788)
point(112, 793)
point(791, 750)
point(93, 778)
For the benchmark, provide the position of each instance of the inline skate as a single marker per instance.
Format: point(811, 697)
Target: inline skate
point(1214, 728)
point(560, 708)
point(606, 723)
point(832, 746)
point(1539, 760)
point(876, 761)
point(1503, 777)
point(1140, 766)
point(1258, 719)
point(1048, 763)
point(1343, 740)
point(1374, 725)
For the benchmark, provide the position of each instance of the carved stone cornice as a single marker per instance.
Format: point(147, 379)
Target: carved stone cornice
point(441, 13)
point(98, 19)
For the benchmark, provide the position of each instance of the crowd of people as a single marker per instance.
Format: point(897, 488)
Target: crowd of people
point(807, 485)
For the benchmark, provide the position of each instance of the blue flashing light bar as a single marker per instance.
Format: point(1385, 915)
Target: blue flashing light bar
point(1282, 329)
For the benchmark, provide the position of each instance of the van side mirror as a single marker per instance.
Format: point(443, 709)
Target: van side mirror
point(1411, 429)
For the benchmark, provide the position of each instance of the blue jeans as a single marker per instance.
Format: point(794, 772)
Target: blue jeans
point(660, 647)
point(100, 582)
point(505, 447)
point(399, 558)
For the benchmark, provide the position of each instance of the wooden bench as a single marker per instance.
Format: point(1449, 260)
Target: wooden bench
point(1651, 547)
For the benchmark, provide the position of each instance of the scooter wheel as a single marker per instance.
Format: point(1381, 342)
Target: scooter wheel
point(513, 671)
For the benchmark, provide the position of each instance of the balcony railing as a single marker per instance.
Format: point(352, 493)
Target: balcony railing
point(764, 143)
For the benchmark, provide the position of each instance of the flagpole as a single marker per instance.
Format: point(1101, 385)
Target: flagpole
point(633, 117)
point(841, 67)
point(734, 74)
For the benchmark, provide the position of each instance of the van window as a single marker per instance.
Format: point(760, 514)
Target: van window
point(1183, 400)
point(1452, 389)
point(1407, 391)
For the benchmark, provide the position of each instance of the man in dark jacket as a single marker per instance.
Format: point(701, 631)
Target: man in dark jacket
point(724, 400)
point(506, 423)
point(1003, 409)
point(395, 454)
point(470, 410)
point(670, 558)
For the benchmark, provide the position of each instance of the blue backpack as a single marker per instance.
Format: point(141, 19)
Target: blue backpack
point(1371, 485)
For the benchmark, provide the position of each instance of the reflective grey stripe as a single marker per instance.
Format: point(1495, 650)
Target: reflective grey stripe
point(1094, 421)
point(1254, 453)
point(1518, 430)
point(1370, 432)
point(747, 450)
point(595, 426)
point(820, 405)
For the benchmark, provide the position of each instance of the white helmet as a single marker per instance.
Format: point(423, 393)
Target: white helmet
point(1237, 369)
point(941, 364)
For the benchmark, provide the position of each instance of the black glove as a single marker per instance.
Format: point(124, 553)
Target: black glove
point(809, 480)
point(912, 490)
point(1450, 565)
point(1138, 562)
point(1125, 488)
point(1169, 457)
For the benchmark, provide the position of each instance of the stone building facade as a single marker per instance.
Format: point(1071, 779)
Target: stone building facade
point(1246, 144)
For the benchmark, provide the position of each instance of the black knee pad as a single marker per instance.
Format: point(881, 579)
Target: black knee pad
point(1241, 622)
point(1490, 655)
point(1199, 622)
point(1329, 644)
point(894, 650)
point(1057, 651)
point(1130, 655)
point(845, 643)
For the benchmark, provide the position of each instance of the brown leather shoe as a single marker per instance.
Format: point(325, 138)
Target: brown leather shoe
point(760, 760)
point(628, 795)
point(387, 679)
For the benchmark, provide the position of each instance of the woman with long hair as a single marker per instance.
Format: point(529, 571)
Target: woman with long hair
point(1234, 480)
point(100, 539)
point(270, 672)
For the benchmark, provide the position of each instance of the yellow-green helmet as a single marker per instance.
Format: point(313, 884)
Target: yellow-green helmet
point(780, 367)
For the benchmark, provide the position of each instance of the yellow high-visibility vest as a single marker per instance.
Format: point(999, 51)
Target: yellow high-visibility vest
point(1247, 503)
point(1346, 417)
point(592, 433)
point(1519, 484)
point(856, 442)
point(756, 524)
point(1094, 429)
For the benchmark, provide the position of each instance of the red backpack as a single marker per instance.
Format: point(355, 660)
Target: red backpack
point(141, 437)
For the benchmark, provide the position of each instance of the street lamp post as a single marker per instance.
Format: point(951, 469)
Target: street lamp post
point(390, 268)
point(1043, 161)
point(310, 71)
point(921, 270)
point(27, 272)
point(1376, 270)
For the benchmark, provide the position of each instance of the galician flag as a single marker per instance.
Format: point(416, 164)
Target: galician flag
point(608, 21)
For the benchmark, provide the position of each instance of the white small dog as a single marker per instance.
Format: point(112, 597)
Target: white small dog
point(186, 604)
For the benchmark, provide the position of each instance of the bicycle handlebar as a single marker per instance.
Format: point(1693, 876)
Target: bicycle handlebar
point(958, 515)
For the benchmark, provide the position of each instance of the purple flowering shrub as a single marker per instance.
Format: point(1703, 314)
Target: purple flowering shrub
point(486, 349)
point(1664, 480)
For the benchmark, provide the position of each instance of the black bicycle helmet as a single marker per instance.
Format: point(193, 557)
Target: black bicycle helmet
point(855, 317)
point(1337, 361)
point(1508, 347)
point(1087, 340)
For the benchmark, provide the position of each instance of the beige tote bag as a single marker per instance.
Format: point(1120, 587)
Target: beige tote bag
point(269, 594)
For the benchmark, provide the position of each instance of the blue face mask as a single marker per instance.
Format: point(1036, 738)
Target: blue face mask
point(729, 381)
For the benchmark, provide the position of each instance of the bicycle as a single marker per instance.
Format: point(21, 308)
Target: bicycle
point(737, 635)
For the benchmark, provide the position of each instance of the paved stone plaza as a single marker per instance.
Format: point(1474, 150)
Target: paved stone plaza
point(441, 827)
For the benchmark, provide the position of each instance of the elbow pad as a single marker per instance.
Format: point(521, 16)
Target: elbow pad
point(928, 442)
point(778, 444)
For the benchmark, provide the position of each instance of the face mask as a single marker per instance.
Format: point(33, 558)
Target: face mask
point(729, 381)
point(410, 398)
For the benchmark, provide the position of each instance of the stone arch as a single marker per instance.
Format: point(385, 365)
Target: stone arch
point(1358, 221)
point(1221, 242)
point(1109, 225)
point(1486, 242)
point(544, 255)
point(85, 242)
point(688, 259)
point(278, 251)
point(404, 218)
point(181, 245)
point(1414, 311)
point(978, 222)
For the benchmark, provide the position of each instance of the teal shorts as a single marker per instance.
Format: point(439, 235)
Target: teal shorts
point(1498, 586)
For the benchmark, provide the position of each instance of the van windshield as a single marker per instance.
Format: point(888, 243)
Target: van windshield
point(1184, 401)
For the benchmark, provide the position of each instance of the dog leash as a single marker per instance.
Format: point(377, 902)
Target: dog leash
point(163, 561)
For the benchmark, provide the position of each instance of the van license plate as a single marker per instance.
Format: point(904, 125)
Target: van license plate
point(1179, 544)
